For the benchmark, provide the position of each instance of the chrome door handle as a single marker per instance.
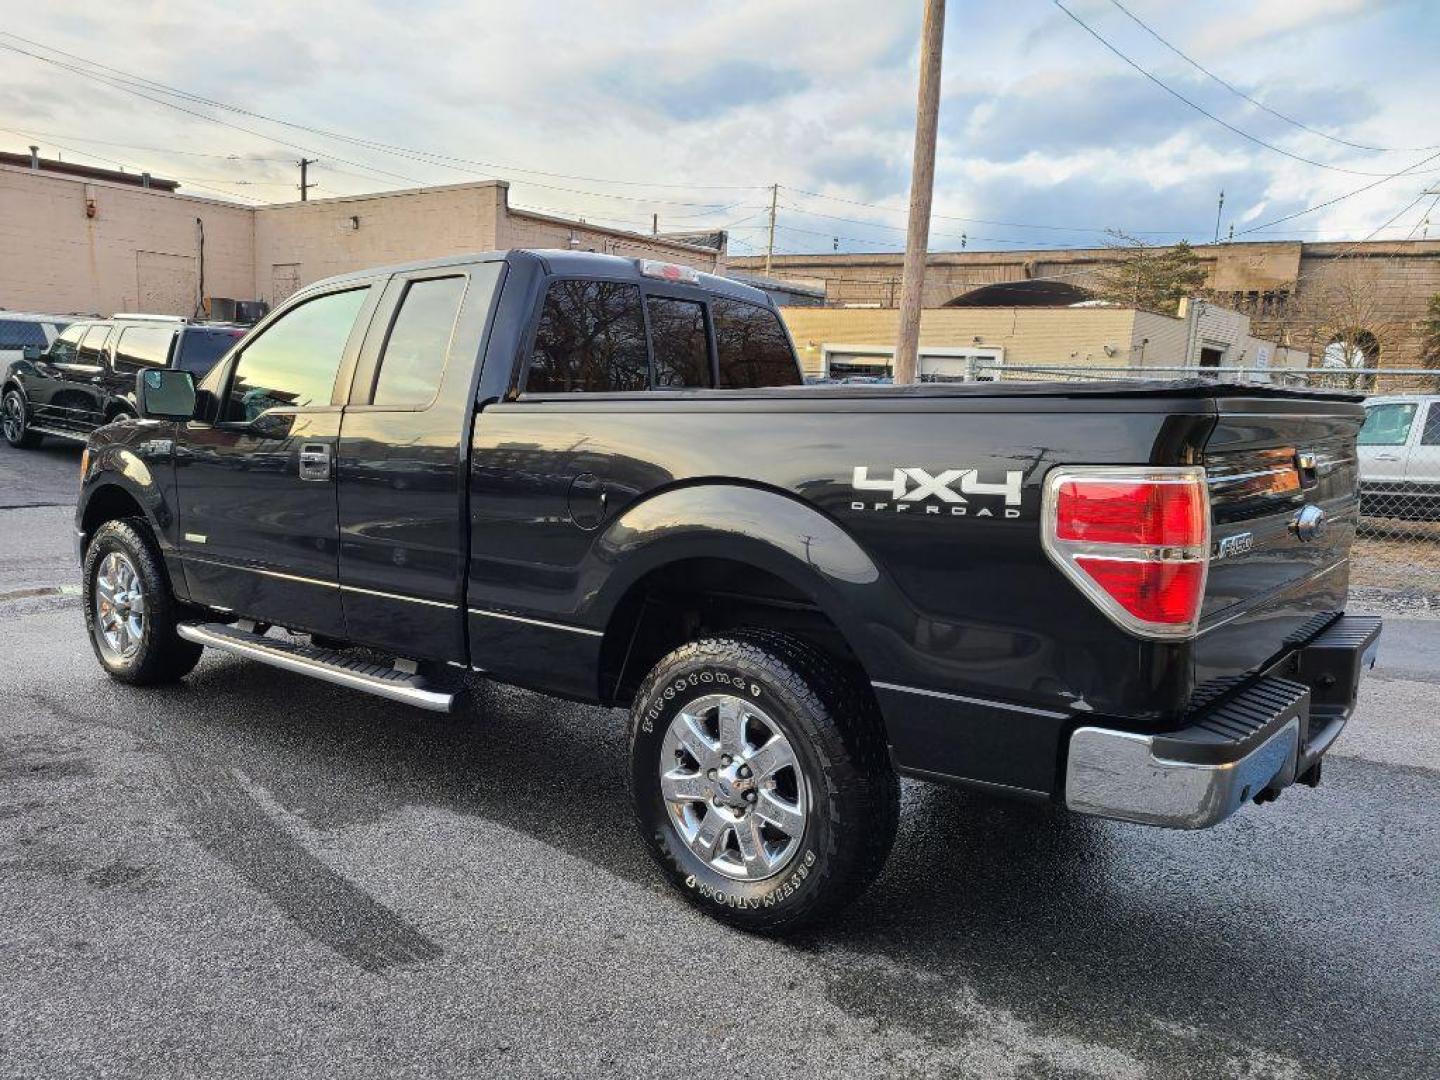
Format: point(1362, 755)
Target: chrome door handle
point(1387, 457)
point(315, 461)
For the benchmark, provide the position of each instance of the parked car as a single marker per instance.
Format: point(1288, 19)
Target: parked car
point(21, 330)
point(85, 377)
point(602, 479)
point(1399, 449)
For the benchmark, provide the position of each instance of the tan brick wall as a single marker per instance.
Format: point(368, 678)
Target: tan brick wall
point(1275, 284)
point(56, 259)
point(1394, 283)
point(523, 230)
point(325, 237)
point(142, 246)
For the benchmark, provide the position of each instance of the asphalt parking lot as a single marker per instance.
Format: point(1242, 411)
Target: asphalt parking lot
point(254, 874)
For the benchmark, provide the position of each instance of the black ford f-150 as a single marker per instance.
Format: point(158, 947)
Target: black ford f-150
point(599, 478)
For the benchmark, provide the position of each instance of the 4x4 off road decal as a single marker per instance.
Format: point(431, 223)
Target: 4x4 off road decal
point(947, 492)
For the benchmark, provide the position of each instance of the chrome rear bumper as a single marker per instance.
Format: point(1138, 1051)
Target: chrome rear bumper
point(1257, 741)
point(1117, 774)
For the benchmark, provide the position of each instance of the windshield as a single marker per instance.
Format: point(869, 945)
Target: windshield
point(1387, 425)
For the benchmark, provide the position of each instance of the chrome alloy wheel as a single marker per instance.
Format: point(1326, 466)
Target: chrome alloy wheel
point(119, 606)
point(733, 787)
point(14, 417)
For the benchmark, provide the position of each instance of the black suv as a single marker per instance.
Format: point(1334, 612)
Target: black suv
point(86, 378)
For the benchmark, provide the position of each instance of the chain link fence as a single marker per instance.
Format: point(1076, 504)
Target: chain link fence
point(1398, 542)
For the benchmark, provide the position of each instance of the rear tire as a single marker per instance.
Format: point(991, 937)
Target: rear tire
point(16, 423)
point(129, 610)
point(764, 849)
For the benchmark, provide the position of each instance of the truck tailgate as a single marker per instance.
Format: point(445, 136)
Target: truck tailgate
point(1282, 477)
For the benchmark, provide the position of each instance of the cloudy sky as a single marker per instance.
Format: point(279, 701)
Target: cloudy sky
point(621, 109)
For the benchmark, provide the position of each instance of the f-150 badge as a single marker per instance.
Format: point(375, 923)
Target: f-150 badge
point(947, 492)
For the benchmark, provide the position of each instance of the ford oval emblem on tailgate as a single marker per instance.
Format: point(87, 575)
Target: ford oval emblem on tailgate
point(1309, 523)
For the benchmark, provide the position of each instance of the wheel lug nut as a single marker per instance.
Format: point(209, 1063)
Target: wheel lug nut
point(711, 774)
point(725, 760)
point(744, 770)
point(749, 796)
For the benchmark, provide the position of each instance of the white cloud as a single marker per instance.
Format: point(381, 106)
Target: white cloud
point(817, 96)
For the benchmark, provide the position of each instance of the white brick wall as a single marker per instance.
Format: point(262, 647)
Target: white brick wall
point(55, 258)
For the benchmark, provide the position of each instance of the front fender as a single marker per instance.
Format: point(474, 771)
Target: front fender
point(767, 529)
point(137, 460)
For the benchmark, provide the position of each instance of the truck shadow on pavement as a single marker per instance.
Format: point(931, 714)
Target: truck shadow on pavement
point(1215, 946)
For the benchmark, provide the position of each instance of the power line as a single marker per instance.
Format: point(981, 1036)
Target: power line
point(1200, 108)
point(235, 158)
point(137, 170)
point(1260, 104)
point(423, 156)
point(1339, 198)
point(126, 88)
point(949, 236)
point(420, 156)
point(976, 221)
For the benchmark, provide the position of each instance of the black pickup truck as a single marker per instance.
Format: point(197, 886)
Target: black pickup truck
point(600, 478)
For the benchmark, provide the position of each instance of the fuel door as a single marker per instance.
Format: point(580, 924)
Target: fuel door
point(587, 501)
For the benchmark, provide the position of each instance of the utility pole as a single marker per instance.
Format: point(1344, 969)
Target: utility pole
point(305, 185)
point(770, 247)
point(922, 188)
point(1219, 207)
point(654, 224)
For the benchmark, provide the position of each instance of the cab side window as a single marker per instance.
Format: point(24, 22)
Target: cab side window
point(591, 338)
point(679, 342)
point(1430, 436)
point(293, 364)
point(92, 346)
point(414, 357)
point(143, 346)
point(64, 347)
point(752, 346)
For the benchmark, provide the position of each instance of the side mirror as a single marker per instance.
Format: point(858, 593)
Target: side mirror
point(31, 353)
point(165, 394)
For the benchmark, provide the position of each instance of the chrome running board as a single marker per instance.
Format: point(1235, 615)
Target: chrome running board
point(324, 664)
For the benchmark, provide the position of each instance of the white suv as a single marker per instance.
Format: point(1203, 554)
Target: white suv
point(1399, 449)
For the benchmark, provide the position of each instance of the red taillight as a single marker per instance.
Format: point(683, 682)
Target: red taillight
point(1130, 512)
point(1136, 541)
point(1150, 590)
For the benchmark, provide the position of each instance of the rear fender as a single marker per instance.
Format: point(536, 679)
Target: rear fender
point(767, 529)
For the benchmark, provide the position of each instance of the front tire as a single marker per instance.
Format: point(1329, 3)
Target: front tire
point(760, 780)
point(16, 423)
point(129, 609)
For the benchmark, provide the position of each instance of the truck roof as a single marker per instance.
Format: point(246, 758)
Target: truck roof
point(560, 263)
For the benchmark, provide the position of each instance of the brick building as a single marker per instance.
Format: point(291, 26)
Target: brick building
point(1299, 294)
point(96, 242)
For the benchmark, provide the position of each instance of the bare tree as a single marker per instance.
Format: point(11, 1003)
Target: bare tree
point(1430, 334)
point(1153, 278)
point(1340, 316)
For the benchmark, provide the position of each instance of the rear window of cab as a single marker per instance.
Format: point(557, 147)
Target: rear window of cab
point(606, 336)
